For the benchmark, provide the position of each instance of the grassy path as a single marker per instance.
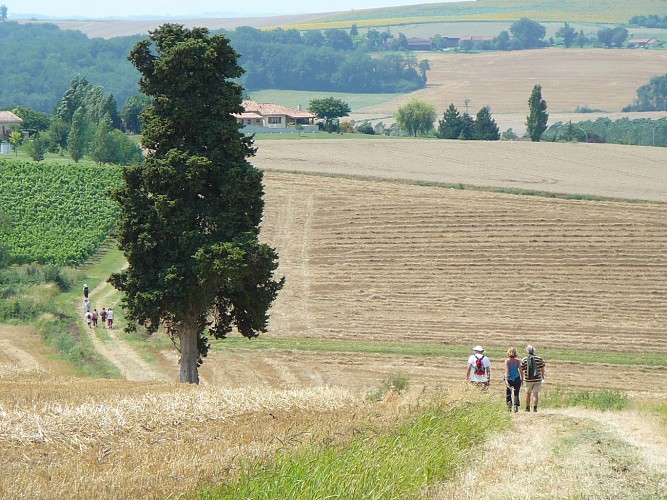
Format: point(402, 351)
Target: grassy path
point(569, 453)
point(110, 344)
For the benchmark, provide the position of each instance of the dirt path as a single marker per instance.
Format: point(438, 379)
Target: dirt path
point(569, 453)
point(131, 365)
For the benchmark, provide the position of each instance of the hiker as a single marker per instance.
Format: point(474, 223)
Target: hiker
point(512, 379)
point(110, 318)
point(532, 374)
point(89, 318)
point(86, 305)
point(103, 317)
point(85, 290)
point(479, 368)
point(94, 318)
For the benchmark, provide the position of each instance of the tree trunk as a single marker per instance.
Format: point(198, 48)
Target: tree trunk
point(189, 371)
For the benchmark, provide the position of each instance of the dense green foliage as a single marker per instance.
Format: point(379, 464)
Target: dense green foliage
point(529, 34)
point(613, 37)
point(650, 21)
point(652, 96)
point(416, 117)
point(284, 59)
point(641, 131)
point(454, 125)
point(328, 109)
point(428, 447)
point(190, 212)
point(60, 214)
point(38, 61)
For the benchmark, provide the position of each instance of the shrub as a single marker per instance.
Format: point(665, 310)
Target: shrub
point(366, 128)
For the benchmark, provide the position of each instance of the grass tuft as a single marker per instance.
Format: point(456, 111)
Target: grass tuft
point(603, 400)
point(397, 383)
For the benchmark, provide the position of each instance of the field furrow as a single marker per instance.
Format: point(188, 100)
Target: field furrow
point(381, 261)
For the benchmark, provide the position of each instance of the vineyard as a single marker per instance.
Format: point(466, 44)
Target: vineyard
point(59, 214)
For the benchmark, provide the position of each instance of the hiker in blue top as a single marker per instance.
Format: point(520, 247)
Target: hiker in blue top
point(512, 379)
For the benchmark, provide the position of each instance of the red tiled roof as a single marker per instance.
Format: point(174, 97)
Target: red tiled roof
point(274, 109)
point(9, 117)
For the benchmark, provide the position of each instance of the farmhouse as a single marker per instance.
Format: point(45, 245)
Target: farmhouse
point(419, 44)
point(641, 43)
point(273, 118)
point(8, 122)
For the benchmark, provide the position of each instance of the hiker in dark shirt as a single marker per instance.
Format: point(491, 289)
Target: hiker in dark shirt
point(532, 374)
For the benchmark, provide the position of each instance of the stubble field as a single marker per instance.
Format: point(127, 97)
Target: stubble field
point(378, 260)
point(600, 79)
point(381, 262)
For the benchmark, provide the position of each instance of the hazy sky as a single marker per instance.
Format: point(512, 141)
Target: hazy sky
point(157, 8)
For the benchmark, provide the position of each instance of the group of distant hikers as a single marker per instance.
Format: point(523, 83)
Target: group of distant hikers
point(528, 372)
point(92, 317)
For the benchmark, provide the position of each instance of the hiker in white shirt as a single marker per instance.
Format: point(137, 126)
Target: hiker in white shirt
point(479, 368)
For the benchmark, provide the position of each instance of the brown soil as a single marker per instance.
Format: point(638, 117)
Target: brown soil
point(22, 352)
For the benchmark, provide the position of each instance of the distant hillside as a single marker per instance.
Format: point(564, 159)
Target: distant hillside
point(593, 11)
point(589, 11)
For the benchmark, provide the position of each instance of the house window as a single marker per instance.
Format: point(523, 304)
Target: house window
point(275, 119)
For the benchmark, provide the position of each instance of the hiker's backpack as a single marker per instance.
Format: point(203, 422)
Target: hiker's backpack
point(480, 369)
point(533, 371)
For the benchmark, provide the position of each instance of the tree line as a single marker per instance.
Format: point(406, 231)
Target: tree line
point(39, 60)
point(417, 118)
point(86, 121)
point(650, 21)
point(640, 132)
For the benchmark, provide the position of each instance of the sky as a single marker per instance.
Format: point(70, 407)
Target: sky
point(198, 8)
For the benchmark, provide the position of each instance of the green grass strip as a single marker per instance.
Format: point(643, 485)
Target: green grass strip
point(429, 350)
point(427, 448)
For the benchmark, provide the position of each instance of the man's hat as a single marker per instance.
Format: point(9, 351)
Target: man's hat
point(478, 348)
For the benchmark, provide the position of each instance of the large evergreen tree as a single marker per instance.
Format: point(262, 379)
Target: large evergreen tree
point(538, 117)
point(451, 124)
point(190, 213)
point(485, 127)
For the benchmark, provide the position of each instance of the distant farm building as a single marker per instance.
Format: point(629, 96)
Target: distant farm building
point(272, 118)
point(641, 43)
point(8, 122)
point(420, 44)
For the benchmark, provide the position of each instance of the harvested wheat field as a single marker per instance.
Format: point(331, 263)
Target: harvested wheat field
point(600, 79)
point(379, 260)
point(390, 262)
